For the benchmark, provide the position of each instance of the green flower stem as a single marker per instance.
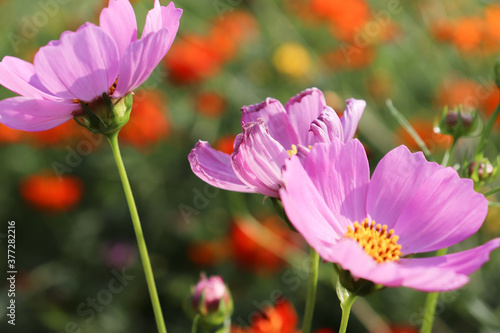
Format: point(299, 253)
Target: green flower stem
point(430, 304)
point(146, 264)
point(346, 301)
point(311, 291)
point(407, 126)
point(432, 298)
point(195, 324)
point(449, 153)
point(486, 133)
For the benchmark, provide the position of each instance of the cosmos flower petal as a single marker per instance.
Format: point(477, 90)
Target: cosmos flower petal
point(161, 17)
point(351, 117)
point(303, 203)
point(271, 111)
point(352, 257)
point(399, 172)
point(139, 61)
point(119, 21)
point(34, 114)
point(214, 167)
point(460, 264)
point(343, 184)
point(443, 211)
point(20, 77)
point(80, 65)
point(327, 126)
point(302, 110)
point(257, 159)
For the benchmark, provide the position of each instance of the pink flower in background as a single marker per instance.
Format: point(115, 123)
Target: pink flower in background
point(271, 134)
point(83, 65)
point(370, 226)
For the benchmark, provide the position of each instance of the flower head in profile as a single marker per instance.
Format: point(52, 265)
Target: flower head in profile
point(370, 227)
point(271, 134)
point(82, 66)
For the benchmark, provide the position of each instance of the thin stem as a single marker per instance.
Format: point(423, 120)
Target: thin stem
point(430, 304)
point(195, 324)
point(493, 191)
point(311, 291)
point(487, 132)
point(146, 264)
point(407, 126)
point(346, 311)
point(449, 153)
point(432, 298)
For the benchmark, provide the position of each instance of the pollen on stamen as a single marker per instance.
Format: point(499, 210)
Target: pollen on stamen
point(292, 151)
point(379, 243)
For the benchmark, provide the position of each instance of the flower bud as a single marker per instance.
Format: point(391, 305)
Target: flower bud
point(458, 123)
point(105, 115)
point(211, 301)
point(482, 171)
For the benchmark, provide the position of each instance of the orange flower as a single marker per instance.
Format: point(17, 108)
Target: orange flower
point(225, 144)
point(468, 33)
point(148, 122)
point(207, 253)
point(443, 30)
point(9, 135)
point(350, 57)
point(493, 21)
point(231, 31)
point(425, 129)
point(58, 136)
point(282, 318)
point(191, 59)
point(249, 254)
point(210, 104)
point(51, 193)
point(346, 17)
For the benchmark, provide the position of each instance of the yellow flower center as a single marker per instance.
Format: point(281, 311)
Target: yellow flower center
point(379, 243)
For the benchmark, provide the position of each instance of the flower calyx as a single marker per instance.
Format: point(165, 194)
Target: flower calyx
point(105, 115)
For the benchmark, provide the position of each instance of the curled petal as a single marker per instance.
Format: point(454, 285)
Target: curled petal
point(273, 114)
point(214, 167)
point(20, 77)
point(257, 159)
point(302, 110)
point(161, 17)
point(119, 21)
point(81, 65)
point(351, 116)
point(327, 126)
point(34, 114)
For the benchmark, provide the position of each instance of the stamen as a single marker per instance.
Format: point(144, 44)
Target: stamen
point(379, 243)
point(292, 151)
point(113, 87)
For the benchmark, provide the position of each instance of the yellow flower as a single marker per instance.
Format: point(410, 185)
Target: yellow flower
point(292, 59)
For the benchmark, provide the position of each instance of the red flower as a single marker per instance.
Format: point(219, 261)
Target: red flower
point(148, 122)
point(250, 254)
point(51, 193)
point(210, 104)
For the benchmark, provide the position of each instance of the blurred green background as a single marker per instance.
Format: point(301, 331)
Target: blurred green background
point(73, 229)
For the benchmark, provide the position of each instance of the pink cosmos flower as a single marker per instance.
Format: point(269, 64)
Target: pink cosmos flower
point(370, 226)
point(271, 134)
point(83, 65)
